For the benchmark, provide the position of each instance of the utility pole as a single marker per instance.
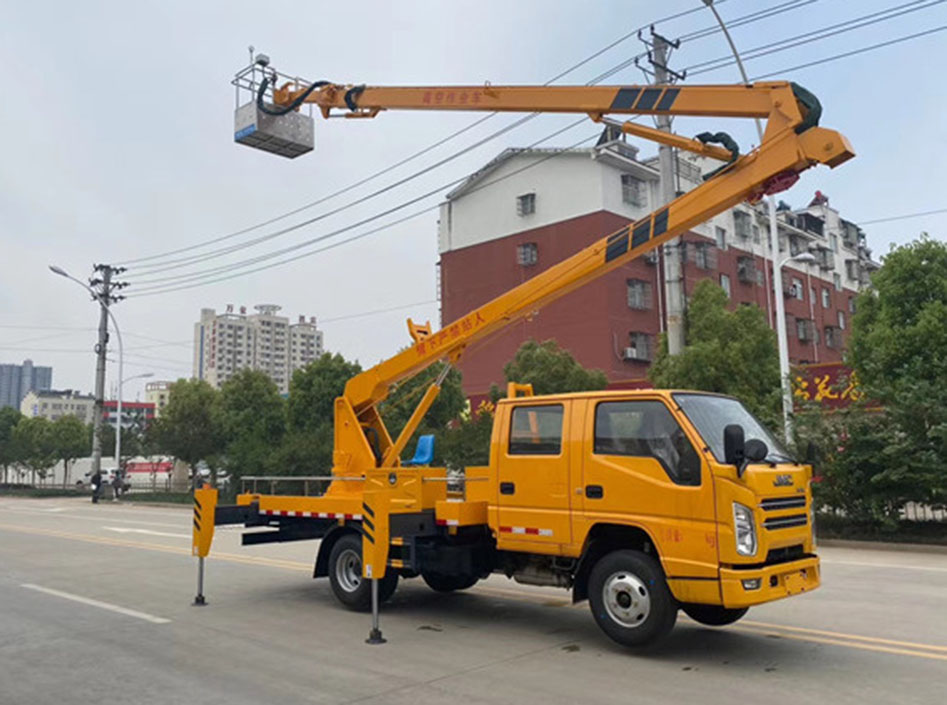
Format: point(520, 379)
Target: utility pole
point(673, 266)
point(102, 288)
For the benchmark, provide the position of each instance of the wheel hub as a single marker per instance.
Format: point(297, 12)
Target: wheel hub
point(348, 570)
point(626, 599)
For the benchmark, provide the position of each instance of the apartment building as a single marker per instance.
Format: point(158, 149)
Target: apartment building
point(529, 209)
point(225, 343)
point(18, 380)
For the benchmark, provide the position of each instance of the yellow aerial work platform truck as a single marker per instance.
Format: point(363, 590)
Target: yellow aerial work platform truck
point(643, 502)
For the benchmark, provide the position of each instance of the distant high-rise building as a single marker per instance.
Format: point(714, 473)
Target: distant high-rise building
point(225, 343)
point(18, 380)
point(158, 393)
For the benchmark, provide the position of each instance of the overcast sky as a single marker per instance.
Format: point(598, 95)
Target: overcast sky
point(117, 133)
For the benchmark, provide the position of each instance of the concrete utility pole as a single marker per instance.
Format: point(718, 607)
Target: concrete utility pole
point(673, 265)
point(101, 288)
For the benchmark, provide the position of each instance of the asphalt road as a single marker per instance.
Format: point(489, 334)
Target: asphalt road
point(95, 608)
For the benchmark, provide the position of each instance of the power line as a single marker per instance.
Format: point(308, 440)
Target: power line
point(813, 36)
point(901, 217)
point(376, 311)
point(174, 281)
point(854, 52)
point(429, 148)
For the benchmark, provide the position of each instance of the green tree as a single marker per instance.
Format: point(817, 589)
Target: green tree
point(188, 427)
point(34, 442)
point(71, 441)
point(9, 418)
point(307, 448)
point(551, 369)
point(251, 417)
point(467, 441)
point(898, 350)
point(729, 352)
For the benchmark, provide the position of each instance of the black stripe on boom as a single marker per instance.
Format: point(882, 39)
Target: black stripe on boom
point(197, 515)
point(617, 245)
point(197, 503)
point(371, 539)
point(368, 523)
point(641, 233)
point(625, 98)
point(648, 98)
point(196, 525)
point(661, 222)
point(667, 100)
point(368, 510)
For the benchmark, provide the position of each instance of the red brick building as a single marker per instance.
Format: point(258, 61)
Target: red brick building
point(529, 209)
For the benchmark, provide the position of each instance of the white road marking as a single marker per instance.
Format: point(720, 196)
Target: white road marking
point(149, 532)
point(96, 603)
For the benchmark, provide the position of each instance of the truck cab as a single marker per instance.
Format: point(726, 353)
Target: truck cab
point(576, 477)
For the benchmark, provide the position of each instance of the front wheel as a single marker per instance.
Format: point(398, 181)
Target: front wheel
point(713, 615)
point(345, 576)
point(630, 599)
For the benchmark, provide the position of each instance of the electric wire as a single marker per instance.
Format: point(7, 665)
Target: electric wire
point(415, 155)
point(906, 216)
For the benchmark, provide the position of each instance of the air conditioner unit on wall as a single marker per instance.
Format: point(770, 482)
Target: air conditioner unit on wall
point(651, 257)
point(632, 354)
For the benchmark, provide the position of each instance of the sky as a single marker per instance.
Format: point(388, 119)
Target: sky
point(118, 144)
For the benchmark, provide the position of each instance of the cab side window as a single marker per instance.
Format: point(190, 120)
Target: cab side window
point(646, 429)
point(536, 430)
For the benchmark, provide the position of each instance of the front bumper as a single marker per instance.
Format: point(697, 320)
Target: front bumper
point(775, 582)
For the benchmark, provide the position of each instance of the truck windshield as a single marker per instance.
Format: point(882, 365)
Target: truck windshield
point(711, 414)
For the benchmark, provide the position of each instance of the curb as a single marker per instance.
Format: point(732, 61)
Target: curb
point(884, 546)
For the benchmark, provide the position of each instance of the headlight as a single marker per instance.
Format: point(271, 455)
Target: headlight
point(744, 529)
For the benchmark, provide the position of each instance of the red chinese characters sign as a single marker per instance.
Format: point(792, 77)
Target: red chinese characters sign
point(832, 385)
point(450, 334)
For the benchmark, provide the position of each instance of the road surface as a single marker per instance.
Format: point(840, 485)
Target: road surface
point(95, 608)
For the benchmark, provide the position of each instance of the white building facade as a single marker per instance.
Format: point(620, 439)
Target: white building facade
point(225, 343)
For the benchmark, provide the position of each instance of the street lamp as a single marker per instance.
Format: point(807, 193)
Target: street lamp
point(783, 341)
point(97, 422)
point(770, 200)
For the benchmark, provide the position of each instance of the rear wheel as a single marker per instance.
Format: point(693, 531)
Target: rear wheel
point(630, 599)
point(345, 576)
point(713, 615)
point(449, 583)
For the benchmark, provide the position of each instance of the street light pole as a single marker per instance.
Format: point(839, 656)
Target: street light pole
point(782, 341)
point(770, 200)
point(118, 411)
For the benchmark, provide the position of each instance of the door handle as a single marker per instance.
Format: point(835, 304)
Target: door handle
point(594, 491)
point(507, 488)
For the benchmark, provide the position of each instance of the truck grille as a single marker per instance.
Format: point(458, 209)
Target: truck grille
point(786, 522)
point(785, 554)
point(775, 503)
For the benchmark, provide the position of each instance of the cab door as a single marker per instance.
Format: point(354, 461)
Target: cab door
point(533, 478)
point(642, 467)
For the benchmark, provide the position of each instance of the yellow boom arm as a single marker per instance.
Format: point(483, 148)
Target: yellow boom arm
point(792, 143)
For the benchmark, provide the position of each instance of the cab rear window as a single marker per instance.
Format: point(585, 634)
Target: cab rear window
point(536, 430)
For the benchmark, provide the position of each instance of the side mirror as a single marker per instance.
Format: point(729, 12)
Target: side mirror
point(811, 453)
point(755, 450)
point(734, 451)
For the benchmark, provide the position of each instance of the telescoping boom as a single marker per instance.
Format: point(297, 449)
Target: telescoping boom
point(395, 506)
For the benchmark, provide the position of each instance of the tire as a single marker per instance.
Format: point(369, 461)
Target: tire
point(345, 576)
point(630, 598)
point(449, 583)
point(713, 615)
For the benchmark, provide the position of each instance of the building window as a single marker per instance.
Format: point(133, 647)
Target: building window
point(797, 291)
point(756, 233)
point(851, 304)
point(639, 347)
point(704, 256)
point(526, 204)
point(721, 237)
point(746, 270)
point(639, 294)
point(741, 224)
point(782, 243)
point(841, 320)
point(833, 337)
point(725, 283)
point(805, 330)
point(826, 301)
point(833, 241)
point(632, 192)
point(838, 281)
point(527, 254)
